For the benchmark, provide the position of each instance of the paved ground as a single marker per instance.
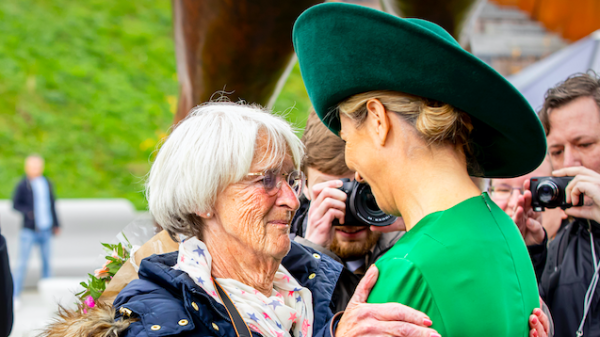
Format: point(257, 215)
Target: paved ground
point(75, 253)
point(36, 312)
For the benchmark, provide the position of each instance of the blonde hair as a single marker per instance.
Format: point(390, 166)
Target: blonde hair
point(437, 123)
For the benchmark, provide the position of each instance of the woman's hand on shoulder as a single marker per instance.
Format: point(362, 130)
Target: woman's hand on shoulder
point(387, 319)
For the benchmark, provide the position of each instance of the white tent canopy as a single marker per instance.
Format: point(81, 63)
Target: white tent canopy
point(535, 80)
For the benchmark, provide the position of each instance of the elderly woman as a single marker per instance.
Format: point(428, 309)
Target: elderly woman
point(226, 183)
point(419, 114)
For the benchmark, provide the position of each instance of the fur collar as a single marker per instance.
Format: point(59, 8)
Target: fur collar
point(98, 322)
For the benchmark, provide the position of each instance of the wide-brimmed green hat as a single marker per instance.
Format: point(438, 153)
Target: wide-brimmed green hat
point(346, 49)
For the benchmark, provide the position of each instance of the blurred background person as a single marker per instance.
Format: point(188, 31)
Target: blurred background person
point(356, 247)
point(6, 291)
point(506, 193)
point(34, 199)
point(571, 119)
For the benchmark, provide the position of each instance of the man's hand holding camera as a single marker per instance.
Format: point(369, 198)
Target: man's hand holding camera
point(328, 203)
point(586, 182)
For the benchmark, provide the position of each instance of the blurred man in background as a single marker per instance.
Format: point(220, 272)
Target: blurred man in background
point(356, 247)
point(571, 119)
point(34, 198)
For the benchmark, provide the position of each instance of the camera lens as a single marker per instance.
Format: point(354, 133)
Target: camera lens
point(547, 191)
point(366, 208)
point(370, 202)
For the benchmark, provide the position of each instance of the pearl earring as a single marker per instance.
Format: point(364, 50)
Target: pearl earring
point(208, 215)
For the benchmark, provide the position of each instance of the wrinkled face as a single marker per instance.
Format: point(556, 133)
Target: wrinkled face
point(348, 241)
point(574, 138)
point(256, 218)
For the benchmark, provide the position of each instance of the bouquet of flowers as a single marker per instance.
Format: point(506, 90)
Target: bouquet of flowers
point(96, 283)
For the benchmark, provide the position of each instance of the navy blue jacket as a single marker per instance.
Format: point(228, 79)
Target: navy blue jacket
point(162, 297)
point(23, 202)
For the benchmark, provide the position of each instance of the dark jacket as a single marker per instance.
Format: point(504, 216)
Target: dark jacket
point(348, 280)
point(164, 296)
point(23, 202)
point(6, 291)
point(566, 268)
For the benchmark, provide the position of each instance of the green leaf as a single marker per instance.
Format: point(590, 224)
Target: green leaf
point(126, 239)
point(113, 259)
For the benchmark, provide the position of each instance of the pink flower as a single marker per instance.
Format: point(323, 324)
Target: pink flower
point(89, 301)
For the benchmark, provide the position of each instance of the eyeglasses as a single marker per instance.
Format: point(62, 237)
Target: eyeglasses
point(502, 192)
point(272, 181)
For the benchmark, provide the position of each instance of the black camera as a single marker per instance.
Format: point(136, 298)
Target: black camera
point(361, 207)
point(549, 192)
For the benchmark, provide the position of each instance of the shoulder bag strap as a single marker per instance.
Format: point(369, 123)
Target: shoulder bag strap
point(241, 329)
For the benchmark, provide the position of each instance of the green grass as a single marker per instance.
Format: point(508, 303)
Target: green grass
point(293, 101)
point(91, 86)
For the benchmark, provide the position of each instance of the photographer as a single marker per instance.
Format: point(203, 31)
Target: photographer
point(356, 247)
point(571, 119)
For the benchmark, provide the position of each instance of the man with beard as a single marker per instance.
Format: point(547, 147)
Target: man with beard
point(356, 247)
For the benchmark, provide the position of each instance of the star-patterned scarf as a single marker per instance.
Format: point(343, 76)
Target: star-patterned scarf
point(287, 312)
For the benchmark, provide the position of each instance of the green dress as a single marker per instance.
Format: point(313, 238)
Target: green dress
point(467, 268)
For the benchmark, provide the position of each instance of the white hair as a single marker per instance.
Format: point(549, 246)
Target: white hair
point(213, 147)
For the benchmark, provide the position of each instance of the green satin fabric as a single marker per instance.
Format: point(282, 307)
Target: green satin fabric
point(467, 268)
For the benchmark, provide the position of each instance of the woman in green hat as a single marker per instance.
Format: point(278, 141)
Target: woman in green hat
point(419, 116)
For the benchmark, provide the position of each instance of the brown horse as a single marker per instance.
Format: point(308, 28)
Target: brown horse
point(243, 47)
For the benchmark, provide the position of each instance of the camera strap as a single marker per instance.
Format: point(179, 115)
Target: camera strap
point(589, 294)
point(240, 327)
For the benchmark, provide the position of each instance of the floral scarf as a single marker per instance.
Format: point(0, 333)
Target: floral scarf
point(287, 312)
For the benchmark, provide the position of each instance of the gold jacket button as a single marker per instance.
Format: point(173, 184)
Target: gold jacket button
point(125, 312)
point(195, 306)
point(183, 322)
point(316, 256)
point(215, 326)
point(155, 327)
point(312, 276)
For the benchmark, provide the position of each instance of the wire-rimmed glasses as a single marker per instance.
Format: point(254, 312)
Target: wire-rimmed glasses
point(272, 181)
